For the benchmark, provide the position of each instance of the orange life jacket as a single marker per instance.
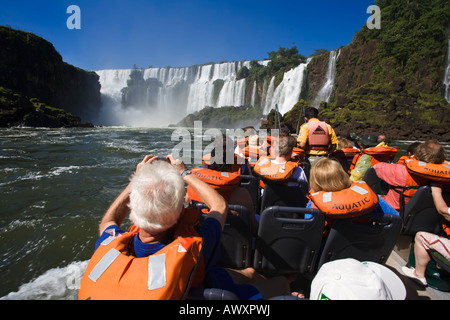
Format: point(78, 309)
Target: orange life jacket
point(268, 141)
point(114, 274)
point(206, 159)
point(318, 136)
point(254, 153)
point(275, 172)
point(241, 143)
point(224, 182)
point(251, 152)
point(402, 160)
point(419, 174)
point(268, 145)
point(381, 154)
point(377, 154)
point(435, 172)
point(430, 172)
point(298, 153)
point(355, 201)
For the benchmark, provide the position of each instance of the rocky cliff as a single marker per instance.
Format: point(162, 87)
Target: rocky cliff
point(390, 80)
point(386, 80)
point(30, 67)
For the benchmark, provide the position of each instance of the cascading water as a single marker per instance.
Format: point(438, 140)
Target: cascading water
point(447, 75)
point(166, 95)
point(175, 92)
point(287, 93)
point(325, 92)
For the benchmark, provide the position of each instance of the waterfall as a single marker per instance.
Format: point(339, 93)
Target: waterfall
point(162, 96)
point(325, 92)
point(255, 88)
point(172, 93)
point(287, 93)
point(447, 75)
point(269, 95)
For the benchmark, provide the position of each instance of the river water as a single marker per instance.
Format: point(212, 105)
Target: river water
point(55, 186)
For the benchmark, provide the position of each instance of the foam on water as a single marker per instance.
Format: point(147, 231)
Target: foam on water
point(38, 175)
point(55, 284)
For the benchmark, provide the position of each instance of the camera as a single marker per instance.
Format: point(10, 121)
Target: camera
point(162, 159)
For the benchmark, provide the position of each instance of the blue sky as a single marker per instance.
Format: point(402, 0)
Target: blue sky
point(118, 34)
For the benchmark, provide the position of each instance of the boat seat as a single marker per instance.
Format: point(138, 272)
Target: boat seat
point(440, 260)
point(288, 245)
point(371, 237)
point(375, 183)
point(236, 240)
point(345, 158)
point(437, 271)
point(282, 195)
point(306, 166)
point(251, 183)
point(420, 214)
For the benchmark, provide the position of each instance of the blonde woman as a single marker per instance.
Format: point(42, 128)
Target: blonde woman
point(329, 180)
point(328, 175)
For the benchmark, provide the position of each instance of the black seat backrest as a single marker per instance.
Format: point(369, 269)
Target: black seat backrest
point(421, 215)
point(371, 237)
point(282, 195)
point(376, 184)
point(344, 159)
point(236, 248)
point(287, 242)
point(251, 183)
point(236, 240)
point(306, 166)
point(440, 260)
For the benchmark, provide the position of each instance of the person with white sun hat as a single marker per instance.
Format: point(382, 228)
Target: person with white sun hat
point(350, 279)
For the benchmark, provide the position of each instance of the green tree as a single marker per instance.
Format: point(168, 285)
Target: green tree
point(280, 61)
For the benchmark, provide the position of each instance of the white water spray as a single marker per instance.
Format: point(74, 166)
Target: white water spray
point(447, 75)
point(325, 92)
point(287, 93)
point(55, 284)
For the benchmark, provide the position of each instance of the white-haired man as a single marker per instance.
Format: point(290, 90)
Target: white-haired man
point(166, 251)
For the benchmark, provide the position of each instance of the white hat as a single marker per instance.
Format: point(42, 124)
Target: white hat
point(350, 279)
